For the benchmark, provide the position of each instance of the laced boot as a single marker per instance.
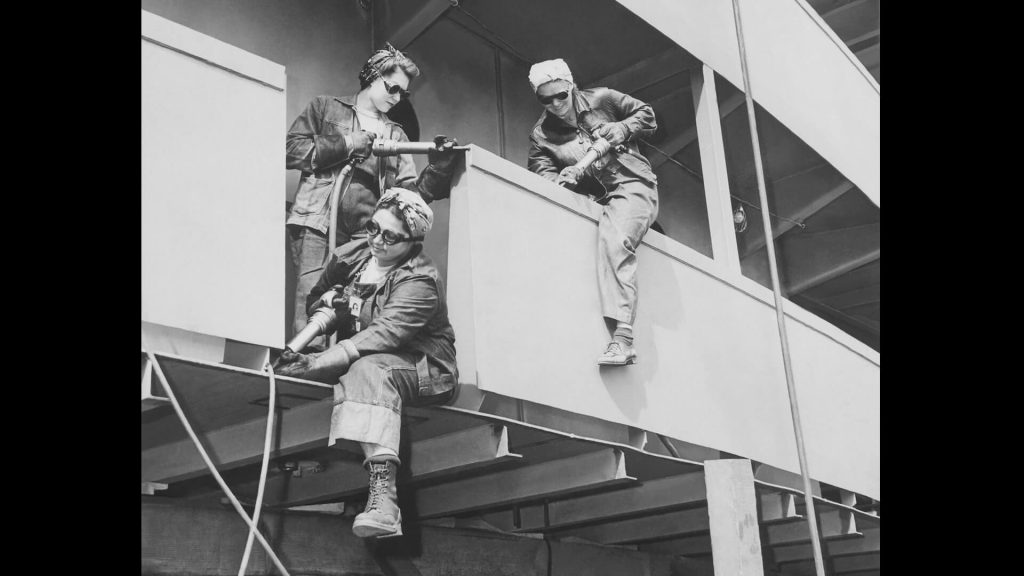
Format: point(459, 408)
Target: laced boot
point(382, 517)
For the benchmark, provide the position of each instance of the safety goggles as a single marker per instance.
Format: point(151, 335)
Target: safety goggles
point(389, 237)
point(546, 100)
point(394, 88)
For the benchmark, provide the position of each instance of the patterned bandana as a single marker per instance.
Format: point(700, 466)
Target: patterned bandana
point(544, 72)
point(371, 69)
point(417, 215)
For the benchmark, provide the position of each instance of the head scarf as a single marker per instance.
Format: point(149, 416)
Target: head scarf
point(544, 72)
point(371, 69)
point(415, 212)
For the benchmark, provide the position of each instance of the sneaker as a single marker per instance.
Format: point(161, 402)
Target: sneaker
point(617, 354)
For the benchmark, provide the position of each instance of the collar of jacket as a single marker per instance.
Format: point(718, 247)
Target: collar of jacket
point(350, 102)
point(580, 102)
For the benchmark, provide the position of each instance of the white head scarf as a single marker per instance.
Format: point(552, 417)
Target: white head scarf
point(544, 72)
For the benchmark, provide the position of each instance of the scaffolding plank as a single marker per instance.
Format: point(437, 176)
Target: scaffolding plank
point(603, 468)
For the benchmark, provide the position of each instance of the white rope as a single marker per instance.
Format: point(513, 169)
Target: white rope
point(271, 407)
point(819, 564)
point(209, 463)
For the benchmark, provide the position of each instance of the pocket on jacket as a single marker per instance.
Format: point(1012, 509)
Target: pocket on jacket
point(433, 387)
point(312, 195)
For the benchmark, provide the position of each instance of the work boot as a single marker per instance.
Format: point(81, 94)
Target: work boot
point(382, 517)
point(617, 354)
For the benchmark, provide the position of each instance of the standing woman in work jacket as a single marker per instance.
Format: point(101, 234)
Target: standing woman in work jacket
point(395, 344)
point(622, 182)
point(330, 133)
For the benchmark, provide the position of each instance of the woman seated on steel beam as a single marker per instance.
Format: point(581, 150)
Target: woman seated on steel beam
point(395, 344)
point(622, 181)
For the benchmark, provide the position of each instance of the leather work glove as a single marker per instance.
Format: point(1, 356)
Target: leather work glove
point(292, 364)
point(441, 157)
point(326, 366)
point(569, 177)
point(360, 144)
point(327, 298)
point(614, 132)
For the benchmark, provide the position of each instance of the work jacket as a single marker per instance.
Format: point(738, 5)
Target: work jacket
point(554, 144)
point(316, 145)
point(406, 313)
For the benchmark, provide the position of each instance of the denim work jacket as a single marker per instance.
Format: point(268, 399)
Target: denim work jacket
point(408, 312)
point(316, 145)
point(554, 144)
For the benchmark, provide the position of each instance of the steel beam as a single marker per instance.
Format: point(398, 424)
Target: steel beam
point(834, 524)
point(150, 398)
point(778, 507)
point(646, 72)
point(604, 468)
point(716, 177)
point(857, 563)
point(646, 529)
point(869, 544)
point(798, 213)
point(691, 546)
point(653, 496)
point(405, 33)
point(675, 144)
point(446, 455)
point(299, 429)
point(812, 259)
point(856, 297)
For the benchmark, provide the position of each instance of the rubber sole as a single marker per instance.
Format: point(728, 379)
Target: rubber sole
point(370, 529)
point(627, 362)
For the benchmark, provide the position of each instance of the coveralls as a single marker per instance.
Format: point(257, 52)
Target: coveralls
point(623, 183)
point(402, 351)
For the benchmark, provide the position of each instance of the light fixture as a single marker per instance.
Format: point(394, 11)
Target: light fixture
point(739, 219)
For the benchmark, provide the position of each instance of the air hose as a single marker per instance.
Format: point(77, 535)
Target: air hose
point(213, 469)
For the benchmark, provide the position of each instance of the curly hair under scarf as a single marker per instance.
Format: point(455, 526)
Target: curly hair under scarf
point(384, 62)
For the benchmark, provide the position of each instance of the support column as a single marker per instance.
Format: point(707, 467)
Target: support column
point(732, 511)
point(712, 160)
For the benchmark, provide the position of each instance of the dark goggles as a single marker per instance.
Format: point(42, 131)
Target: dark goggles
point(394, 88)
point(389, 237)
point(545, 100)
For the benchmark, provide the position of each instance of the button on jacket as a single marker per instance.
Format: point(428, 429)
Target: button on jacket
point(316, 145)
point(554, 144)
point(408, 312)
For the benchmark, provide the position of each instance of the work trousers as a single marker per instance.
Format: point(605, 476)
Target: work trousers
point(368, 399)
point(629, 210)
